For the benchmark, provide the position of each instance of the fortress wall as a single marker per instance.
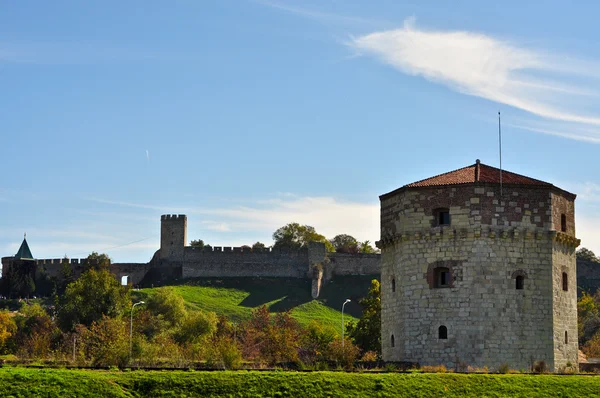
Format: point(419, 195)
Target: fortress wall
point(134, 271)
point(237, 262)
point(352, 264)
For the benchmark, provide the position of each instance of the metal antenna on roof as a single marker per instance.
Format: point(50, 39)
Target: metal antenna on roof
point(500, 146)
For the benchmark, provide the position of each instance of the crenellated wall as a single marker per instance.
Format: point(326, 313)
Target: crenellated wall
point(244, 262)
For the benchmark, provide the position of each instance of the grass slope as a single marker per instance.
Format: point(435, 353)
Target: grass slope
point(18, 382)
point(235, 298)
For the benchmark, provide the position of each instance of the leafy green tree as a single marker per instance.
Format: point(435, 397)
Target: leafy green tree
point(167, 305)
point(365, 247)
point(345, 244)
point(94, 294)
point(258, 245)
point(197, 243)
point(107, 342)
point(316, 340)
point(296, 236)
point(98, 261)
point(197, 327)
point(587, 255)
point(366, 334)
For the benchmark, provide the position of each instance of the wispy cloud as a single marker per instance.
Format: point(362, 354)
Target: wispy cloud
point(549, 87)
point(329, 18)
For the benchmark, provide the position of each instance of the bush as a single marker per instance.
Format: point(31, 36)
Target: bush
point(539, 367)
point(503, 368)
point(345, 355)
point(224, 353)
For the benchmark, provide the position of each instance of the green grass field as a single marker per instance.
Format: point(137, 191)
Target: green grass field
point(20, 382)
point(235, 298)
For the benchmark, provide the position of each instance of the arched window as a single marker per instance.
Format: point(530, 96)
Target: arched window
point(566, 337)
point(443, 333)
point(393, 285)
point(565, 282)
point(393, 342)
point(520, 282)
point(442, 216)
point(563, 223)
point(442, 276)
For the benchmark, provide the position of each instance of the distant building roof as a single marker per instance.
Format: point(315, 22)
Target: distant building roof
point(476, 173)
point(24, 253)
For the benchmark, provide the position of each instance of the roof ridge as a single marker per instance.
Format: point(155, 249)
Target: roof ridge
point(517, 174)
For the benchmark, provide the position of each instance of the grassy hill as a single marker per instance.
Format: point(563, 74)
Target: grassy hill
point(19, 382)
point(235, 298)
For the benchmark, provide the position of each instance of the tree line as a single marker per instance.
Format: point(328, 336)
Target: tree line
point(296, 236)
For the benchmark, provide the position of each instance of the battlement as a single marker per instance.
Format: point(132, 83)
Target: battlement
point(173, 217)
point(243, 250)
point(72, 261)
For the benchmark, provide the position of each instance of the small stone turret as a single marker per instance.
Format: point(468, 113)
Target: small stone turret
point(173, 237)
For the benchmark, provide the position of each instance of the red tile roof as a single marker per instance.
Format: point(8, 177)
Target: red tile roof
point(477, 172)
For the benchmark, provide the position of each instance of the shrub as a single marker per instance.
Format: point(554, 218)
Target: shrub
point(503, 368)
point(345, 355)
point(539, 367)
point(369, 356)
point(224, 353)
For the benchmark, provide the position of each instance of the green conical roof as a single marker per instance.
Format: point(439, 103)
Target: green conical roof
point(24, 253)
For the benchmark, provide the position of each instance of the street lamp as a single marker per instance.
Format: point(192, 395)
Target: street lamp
point(131, 330)
point(343, 305)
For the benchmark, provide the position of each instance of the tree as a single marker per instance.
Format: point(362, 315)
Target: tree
point(107, 342)
point(197, 243)
point(197, 327)
point(166, 304)
point(587, 255)
point(366, 334)
point(258, 245)
point(296, 236)
point(8, 327)
point(98, 261)
point(365, 247)
point(271, 339)
point(345, 244)
point(96, 293)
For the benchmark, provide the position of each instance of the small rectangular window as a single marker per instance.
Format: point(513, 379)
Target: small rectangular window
point(444, 218)
point(563, 223)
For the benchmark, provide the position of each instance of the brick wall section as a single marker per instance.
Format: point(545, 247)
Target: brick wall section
point(491, 239)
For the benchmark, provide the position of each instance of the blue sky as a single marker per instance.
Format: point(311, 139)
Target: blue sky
point(247, 115)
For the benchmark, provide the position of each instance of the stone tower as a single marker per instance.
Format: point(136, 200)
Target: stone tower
point(173, 237)
point(475, 273)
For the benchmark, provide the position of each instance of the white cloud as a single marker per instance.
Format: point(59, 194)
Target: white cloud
point(547, 86)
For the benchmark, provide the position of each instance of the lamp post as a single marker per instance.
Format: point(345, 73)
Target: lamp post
point(131, 330)
point(343, 305)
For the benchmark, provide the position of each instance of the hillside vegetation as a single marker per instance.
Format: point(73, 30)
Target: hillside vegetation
point(235, 298)
point(19, 382)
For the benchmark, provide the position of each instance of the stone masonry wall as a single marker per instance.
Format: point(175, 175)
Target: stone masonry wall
point(236, 262)
point(491, 240)
point(565, 306)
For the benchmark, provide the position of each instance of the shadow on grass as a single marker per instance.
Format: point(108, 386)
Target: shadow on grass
point(289, 293)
